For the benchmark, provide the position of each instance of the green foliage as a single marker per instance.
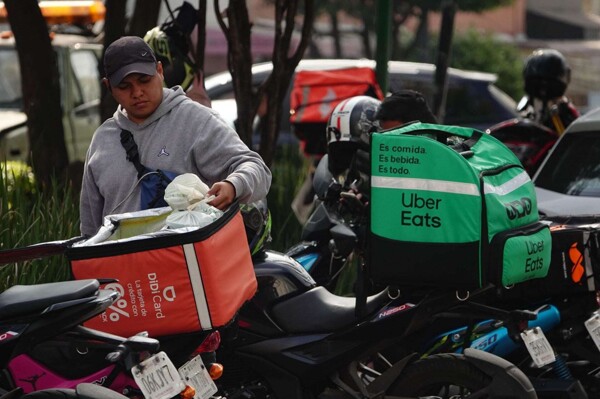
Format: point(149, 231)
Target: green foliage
point(481, 52)
point(477, 51)
point(289, 171)
point(28, 217)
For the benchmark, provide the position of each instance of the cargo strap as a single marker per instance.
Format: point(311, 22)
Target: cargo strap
point(465, 147)
point(133, 154)
point(471, 141)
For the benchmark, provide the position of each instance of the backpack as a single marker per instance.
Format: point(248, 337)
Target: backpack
point(457, 217)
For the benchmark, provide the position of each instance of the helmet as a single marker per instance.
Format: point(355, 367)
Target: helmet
point(348, 129)
point(257, 221)
point(170, 45)
point(546, 74)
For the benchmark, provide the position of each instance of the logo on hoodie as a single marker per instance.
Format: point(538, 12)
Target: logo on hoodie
point(163, 151)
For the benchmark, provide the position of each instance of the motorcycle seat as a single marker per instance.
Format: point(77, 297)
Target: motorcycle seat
point(26, 299)
point(318, 311)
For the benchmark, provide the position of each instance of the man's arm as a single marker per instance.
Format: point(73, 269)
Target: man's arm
point(221, 155)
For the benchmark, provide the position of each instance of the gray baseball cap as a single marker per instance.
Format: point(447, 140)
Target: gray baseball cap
point(127, 55)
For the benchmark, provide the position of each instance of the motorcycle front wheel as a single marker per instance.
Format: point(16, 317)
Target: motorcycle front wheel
point(442, 376)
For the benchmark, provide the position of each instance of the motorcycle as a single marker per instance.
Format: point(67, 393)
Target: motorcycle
point(561, 316)
point(271, 349)
point(44, 347)
point(296, 339)
point(529, 140)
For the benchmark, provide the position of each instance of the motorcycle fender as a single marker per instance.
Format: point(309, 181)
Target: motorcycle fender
point(93, 391)
point(507, 379)
point(382, 383)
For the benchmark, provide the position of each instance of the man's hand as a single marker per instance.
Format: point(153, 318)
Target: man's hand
point(224, 193)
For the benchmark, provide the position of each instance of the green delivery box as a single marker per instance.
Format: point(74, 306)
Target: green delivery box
point(454, 217)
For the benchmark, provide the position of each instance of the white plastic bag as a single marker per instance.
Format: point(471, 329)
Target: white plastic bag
point(186, 194)
point(179, 219)
point(185, 190)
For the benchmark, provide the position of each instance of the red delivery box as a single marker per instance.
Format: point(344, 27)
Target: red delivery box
point(171, 281)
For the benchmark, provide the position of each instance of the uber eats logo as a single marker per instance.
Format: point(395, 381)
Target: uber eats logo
point(534, 259)
point(518, 208)
point(416, 212)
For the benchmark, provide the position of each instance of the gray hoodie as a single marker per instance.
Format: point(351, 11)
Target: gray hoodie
point(181, 136)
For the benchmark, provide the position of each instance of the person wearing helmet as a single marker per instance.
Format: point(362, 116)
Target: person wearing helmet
point(402, 107)
point(168, 133)
point(547, 75)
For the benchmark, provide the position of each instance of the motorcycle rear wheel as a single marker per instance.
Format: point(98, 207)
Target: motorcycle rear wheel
point(443, 376)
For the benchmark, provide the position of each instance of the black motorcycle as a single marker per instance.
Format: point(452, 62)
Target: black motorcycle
point(330, 263)
point(296, 339)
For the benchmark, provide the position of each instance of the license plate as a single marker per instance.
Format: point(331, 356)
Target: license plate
point(157, 377)
point(538, 347)
point(593, 326)
point(195, 374)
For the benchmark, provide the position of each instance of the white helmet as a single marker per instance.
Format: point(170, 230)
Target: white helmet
point(348, 129)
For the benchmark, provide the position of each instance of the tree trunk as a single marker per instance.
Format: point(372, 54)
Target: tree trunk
point(201, 38)
point(422, 37)
point(41, 90)
point(145, 17)
point(239, 61)
point(276, 85)
point(366, 39)
point(335, 33)
point(283, 67)
point(114, 28)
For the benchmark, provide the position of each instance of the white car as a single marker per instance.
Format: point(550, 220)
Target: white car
point(77, 58)
point(473, 99)
point(568, 181)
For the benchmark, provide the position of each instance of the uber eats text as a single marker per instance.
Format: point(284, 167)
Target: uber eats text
point(419, 215)
point(534, 260)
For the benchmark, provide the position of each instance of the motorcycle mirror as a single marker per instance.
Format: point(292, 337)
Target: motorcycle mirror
point(322, 177)
point(344, 239)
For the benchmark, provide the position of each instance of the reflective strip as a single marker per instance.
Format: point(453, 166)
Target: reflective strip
point(442, 186)
point(509, 186)
point(197, 286)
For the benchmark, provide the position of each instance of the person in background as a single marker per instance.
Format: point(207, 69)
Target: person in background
point(402, 107)
point(172, 132)
point(547, 75)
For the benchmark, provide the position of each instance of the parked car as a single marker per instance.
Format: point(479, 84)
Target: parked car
point(568, 181)
point(78, 61)
point(473, 99)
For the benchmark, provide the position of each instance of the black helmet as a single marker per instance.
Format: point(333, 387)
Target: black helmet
point(546, 74)
point(171, 45)
point(349, 128)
